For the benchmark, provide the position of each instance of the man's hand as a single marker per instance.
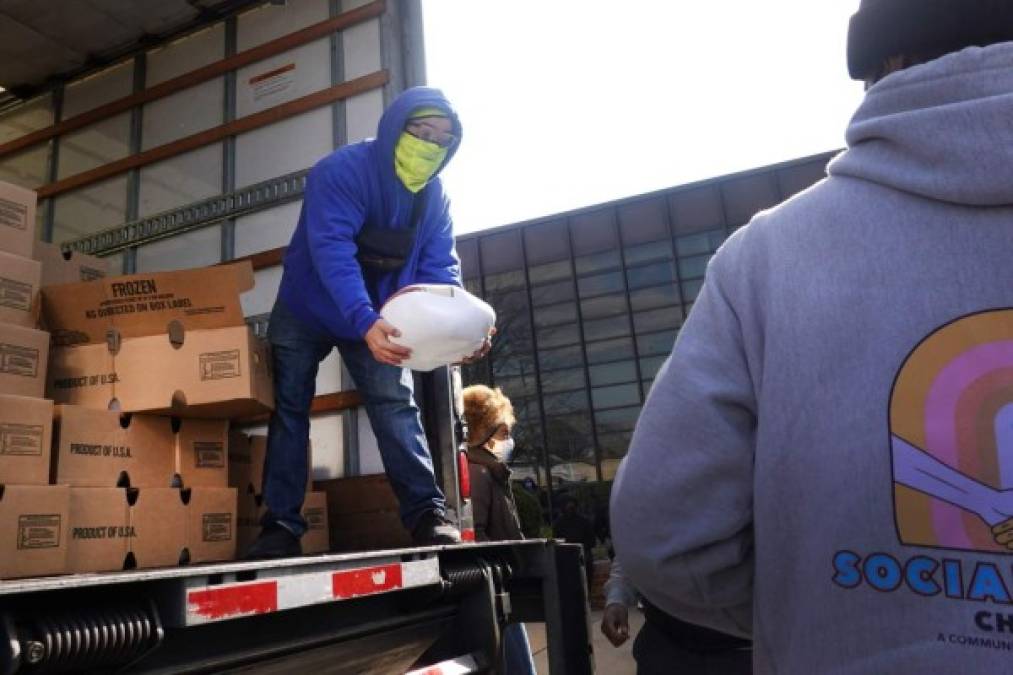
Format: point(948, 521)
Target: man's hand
point(378, 340)
point(615, 624)
point(1003, 533)
point(482, 351)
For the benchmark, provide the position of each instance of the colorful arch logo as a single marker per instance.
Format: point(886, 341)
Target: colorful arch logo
point(951, 437)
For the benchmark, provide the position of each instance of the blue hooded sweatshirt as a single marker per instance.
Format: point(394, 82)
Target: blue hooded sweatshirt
point(323, 283)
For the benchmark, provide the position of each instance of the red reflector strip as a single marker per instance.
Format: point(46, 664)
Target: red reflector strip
point(468, 535)
point(354, 583)
point(231, 601)
point(464, 475)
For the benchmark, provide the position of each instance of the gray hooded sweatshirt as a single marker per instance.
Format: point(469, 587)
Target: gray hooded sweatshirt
point(825, 462)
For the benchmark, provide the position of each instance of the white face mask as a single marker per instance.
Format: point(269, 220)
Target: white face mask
point(503, 450)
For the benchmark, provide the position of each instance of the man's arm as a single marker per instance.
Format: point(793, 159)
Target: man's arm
point(618, 589)
point(438, 261)
point(682, 501)
point(335, 212)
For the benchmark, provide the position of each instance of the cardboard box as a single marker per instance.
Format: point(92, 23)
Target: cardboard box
point(34, 521)
point(19, 290)
point(140, 305)
point(222, 373)
point(17, 219)
point(317, 537)
point(363, 513)
point(26, 439)
point(24, 354)
point(67, 267)
point(201, 452)
point(211, 524)
point(247, 455)
point(102, 448)
point(126, 528)
point(314, 511)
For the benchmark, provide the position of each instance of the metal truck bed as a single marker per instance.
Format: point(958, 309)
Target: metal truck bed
point(379, 611)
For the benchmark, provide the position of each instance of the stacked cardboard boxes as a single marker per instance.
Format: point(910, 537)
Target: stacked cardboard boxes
point(34, 515)
point(128, 352)
point(169, 342)
point(246, 474)
point(130, 468)
point(150, 482)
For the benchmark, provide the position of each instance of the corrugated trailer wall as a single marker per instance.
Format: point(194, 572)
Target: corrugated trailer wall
point(193, 152)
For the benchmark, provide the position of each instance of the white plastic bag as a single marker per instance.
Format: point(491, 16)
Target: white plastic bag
point(441, 324)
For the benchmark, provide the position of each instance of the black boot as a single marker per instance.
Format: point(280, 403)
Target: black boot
point(433, 529)
point(275, 541)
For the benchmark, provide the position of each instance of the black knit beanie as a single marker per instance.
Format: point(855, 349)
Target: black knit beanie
point(881, 29)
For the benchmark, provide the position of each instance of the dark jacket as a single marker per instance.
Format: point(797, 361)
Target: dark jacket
point(492, 501)
point(355, 186)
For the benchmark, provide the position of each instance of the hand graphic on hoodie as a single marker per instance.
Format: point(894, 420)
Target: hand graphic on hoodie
point(918, 470)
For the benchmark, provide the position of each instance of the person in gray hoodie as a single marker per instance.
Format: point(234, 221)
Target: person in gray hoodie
point(825, 462)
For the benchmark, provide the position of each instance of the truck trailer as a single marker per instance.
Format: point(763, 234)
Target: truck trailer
point(172, 134)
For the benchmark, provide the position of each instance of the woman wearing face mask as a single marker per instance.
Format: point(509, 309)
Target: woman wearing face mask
point(490, 418)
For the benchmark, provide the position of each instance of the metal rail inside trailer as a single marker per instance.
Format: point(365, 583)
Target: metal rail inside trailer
point(439, 609)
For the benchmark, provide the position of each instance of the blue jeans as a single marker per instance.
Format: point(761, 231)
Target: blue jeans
point(517, 651)
point(387, 393)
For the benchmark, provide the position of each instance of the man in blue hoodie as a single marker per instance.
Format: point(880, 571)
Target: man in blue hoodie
point(374, 220)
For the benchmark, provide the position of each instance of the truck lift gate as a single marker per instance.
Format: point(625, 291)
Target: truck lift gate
point(437, 610)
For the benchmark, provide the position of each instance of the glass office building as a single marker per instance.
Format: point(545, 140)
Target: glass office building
point(590, 302)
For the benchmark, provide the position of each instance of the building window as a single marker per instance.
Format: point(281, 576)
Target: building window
point(609, 350)
point(566, 402)
point(613, 373)
point(597, 262)
point(601, 329)
point(655, 296)
point(649, 366)
point(563, 380)
point(554, 315)
point(699, 243)
point(558, 336)
point(549, 272)
point(690, 290)
point(656, 343)
point(615, 396)
point(504, 281)
point(600, 284)
point(657, 319)
point(617, 419)
point(642, 253)
point(565, 357)
point(603, 305)
point(550, 293)
point(650, 275)
point(694, 267)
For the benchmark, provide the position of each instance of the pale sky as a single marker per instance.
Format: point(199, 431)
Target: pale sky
point(567, 103)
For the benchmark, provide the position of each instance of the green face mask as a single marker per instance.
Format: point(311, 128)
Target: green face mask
point(416, 160)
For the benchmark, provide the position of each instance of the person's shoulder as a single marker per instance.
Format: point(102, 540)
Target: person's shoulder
point(346, 160)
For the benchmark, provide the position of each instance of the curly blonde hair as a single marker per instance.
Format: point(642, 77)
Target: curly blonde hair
point(484, 410)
